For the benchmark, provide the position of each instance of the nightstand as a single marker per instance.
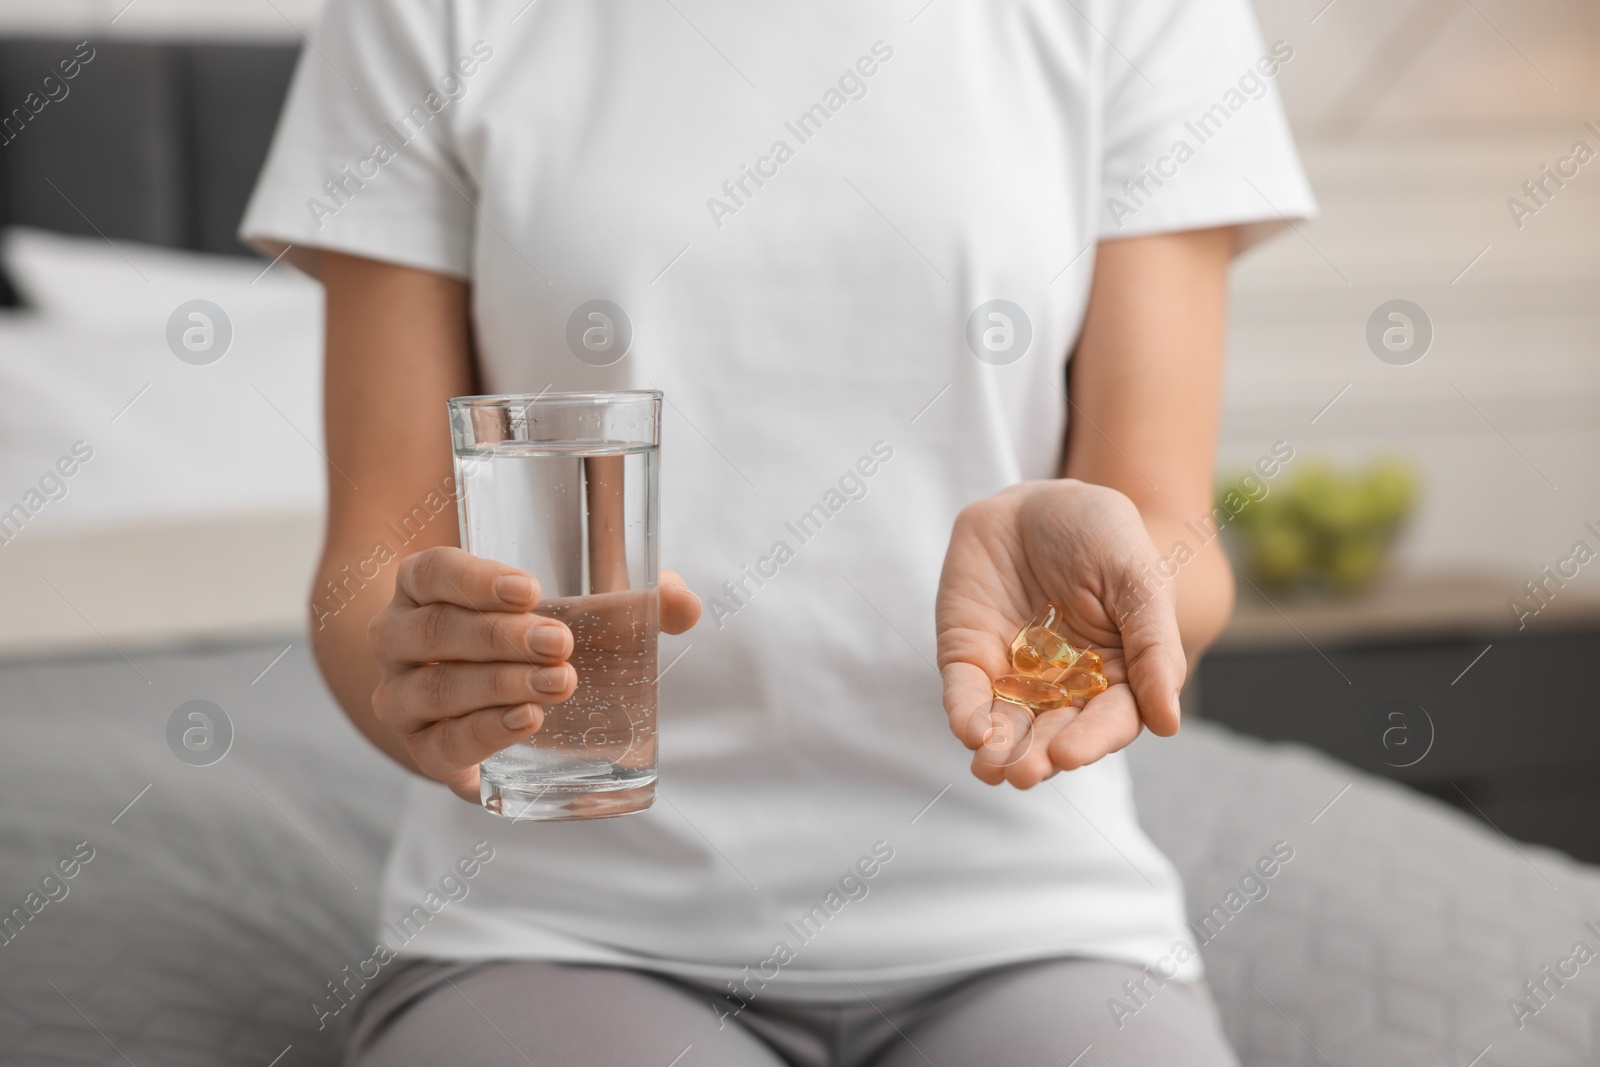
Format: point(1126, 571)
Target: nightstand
point(1429, 681)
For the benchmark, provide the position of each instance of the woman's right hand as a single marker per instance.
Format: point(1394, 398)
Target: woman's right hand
point(466, 668)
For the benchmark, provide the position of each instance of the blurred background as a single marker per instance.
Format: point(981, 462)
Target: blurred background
point(1419, 593)
point(1441, 460)
point(1419, 124)
point(1429, 483)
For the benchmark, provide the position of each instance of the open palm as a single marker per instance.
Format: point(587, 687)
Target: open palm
point(1085, 548)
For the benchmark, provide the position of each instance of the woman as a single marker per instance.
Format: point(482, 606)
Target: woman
point(855, 246)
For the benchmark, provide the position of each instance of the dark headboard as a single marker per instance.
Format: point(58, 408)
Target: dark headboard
point(151, 142)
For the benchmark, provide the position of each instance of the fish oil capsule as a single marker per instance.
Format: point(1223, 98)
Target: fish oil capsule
point(1082, 683)
point(1031, 692)
point(1027, 659)
point(1039, 645)
point(1049, 672)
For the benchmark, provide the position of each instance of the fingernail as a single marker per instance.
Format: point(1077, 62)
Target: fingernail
point(550, 679)
point(518, 718)
point(547, 641)
point(514, 588)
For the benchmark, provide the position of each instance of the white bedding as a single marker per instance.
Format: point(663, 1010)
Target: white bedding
point(237, 437)
point(197, 514)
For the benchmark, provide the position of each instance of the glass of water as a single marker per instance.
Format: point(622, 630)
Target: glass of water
point(563, 485)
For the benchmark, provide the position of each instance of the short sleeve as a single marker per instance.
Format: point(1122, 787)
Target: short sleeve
point(1194, 130)
point(363, 160)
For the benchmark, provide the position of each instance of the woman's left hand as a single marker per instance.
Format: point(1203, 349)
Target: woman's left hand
point(1084, 547)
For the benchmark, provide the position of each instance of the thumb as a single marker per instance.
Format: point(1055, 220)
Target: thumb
point(680, 607)
point(968, 694)
point(1146, 613)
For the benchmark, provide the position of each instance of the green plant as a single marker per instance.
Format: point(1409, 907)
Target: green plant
point(1324, 528)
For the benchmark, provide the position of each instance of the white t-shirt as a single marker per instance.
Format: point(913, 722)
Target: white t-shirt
point(800, 209)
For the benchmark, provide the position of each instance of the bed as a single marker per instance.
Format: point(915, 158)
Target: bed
point(120, 201)
point(210, 900)
point(220, 899)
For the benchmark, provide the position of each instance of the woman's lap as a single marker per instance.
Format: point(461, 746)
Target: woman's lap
point(521, 1012)
point(514, 1013)
point(1059, 1012)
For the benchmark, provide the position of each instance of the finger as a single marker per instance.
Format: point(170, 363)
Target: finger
point(415, 699)
point(1035, 766)
point(987, 773)
point(680, 608)
point(466, 784)
point(1010, 739)
point(1153, 654)
point(446, 575)
point(1108, 723)
point(450, 751)
point(433, 633)
point(968, 694)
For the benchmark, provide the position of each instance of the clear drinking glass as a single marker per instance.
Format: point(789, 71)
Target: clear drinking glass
point(563, 485)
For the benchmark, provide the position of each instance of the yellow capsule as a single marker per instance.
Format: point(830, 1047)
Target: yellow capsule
point(1031, 692)
point(1082, 683)
point(1041, 631)
point(1049, 672)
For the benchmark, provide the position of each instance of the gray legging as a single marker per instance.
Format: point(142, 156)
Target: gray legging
point(517, 1013)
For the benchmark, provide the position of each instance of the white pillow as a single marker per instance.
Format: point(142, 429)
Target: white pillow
point(95, 281)
point(239, 435)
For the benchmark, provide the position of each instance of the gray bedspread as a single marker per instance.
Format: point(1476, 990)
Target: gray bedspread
point(220, 899)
